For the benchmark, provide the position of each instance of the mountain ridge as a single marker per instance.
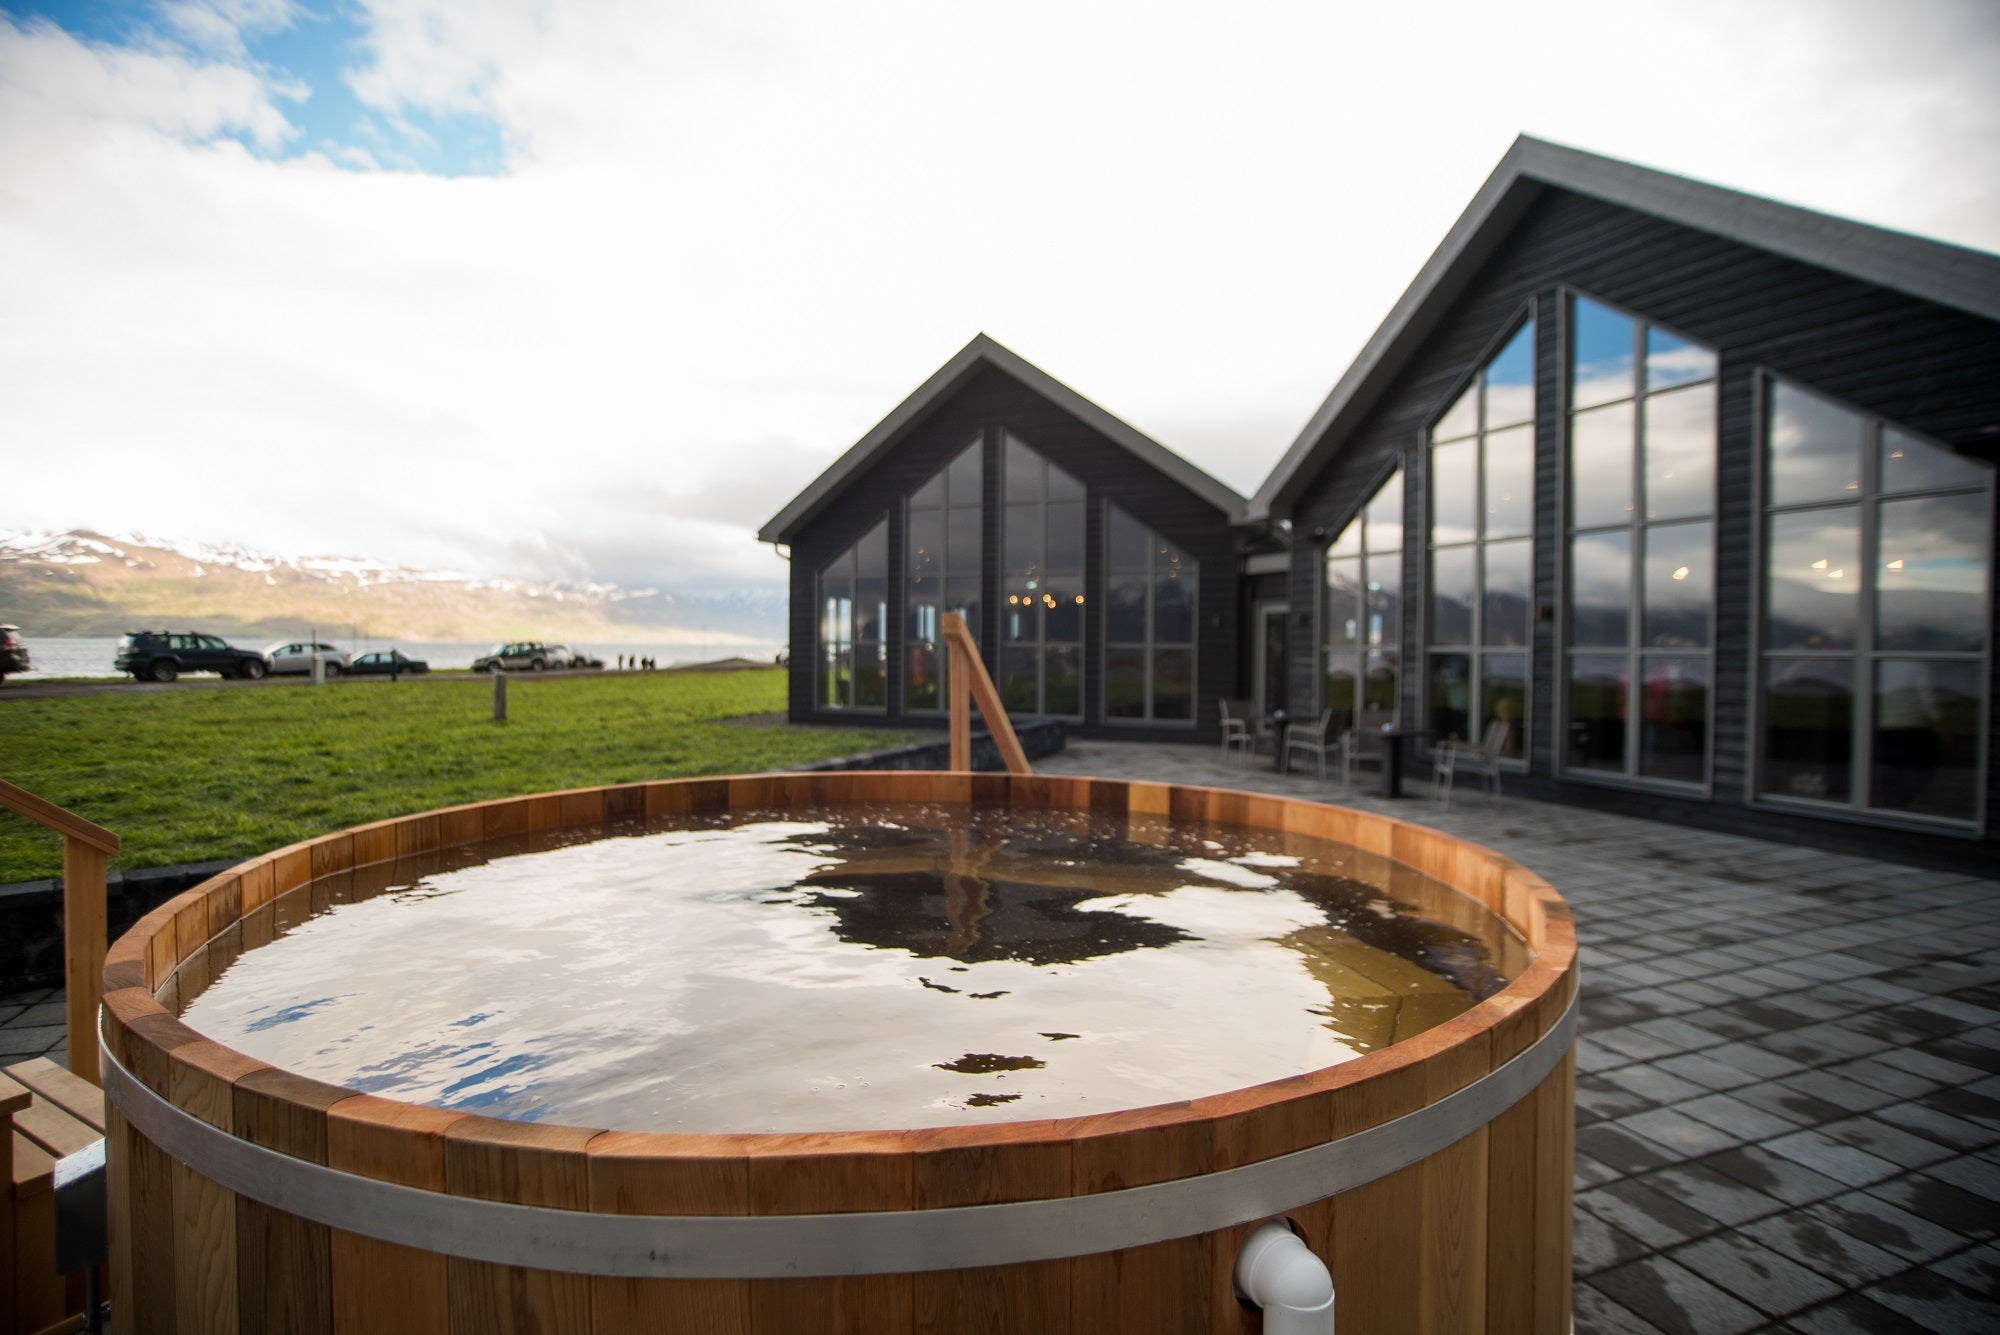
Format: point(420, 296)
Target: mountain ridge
point(88, 582)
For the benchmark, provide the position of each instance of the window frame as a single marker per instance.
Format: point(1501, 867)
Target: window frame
point(1002, 575)
point(1865, 654)
point(1397, 470)
point(1526, 314)
point(1102, 508)
point(851, 554)
point(977, 443)
point(1636, 527)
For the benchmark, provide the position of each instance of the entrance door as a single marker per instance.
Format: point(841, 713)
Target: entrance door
point(1273, 665)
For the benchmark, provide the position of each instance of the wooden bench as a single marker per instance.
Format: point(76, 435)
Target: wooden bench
point(48, 1113)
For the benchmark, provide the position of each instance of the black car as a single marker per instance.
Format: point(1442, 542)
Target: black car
point(386, 663)
point(13, 653)
point(161, 655)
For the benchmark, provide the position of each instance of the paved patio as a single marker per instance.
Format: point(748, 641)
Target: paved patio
point(1788, 1099)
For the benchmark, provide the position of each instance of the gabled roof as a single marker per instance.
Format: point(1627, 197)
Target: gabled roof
point(980, 353)
point(1966, 280)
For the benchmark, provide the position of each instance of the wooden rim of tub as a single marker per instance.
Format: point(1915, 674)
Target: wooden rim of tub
point(173, 950)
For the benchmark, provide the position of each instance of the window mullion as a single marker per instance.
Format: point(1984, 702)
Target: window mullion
point(1863, 747)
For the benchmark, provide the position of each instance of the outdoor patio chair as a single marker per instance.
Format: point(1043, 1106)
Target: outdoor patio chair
point(1312, 741)
point(1236, 729)
point(1354, 755)
point(1483, 760)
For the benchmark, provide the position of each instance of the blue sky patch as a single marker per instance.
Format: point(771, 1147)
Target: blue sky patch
point(313, 53)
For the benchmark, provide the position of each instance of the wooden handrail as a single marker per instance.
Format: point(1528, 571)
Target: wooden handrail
point(66, 823)
point(85, 848)
point(969, 679)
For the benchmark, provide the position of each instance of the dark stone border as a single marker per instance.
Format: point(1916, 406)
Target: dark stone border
point(31, 912)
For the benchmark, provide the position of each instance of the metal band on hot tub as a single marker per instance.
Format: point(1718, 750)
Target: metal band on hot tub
point(778, 1246)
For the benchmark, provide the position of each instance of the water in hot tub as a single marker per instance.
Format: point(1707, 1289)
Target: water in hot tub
point(855, 968)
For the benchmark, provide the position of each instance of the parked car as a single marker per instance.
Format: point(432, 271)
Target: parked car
point(13, 653)
point(160, 655)
point(298, 657)
point(532, 655)
point(380, 663)
point(585, 660)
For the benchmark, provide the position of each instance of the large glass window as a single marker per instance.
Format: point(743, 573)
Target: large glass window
point(1876, 634)
point(1041, 617)
point(1149, 623)
point(1363, 622)
point(1641, 581)
point(853, 624)
point(1480, 614)
point(943, 571)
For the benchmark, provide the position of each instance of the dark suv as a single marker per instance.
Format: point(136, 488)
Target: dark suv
point(159, 655)
point(13, 653)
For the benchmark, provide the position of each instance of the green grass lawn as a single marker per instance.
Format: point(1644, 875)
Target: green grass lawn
point(186, 776)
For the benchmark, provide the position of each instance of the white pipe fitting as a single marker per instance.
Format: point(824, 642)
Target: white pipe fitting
point(1279, 1274)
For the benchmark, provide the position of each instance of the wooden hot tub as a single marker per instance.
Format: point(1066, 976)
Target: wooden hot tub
point(1432, 1176)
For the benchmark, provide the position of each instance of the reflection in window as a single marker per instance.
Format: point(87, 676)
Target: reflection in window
point(942, 541)
point(1364, 619)
point(1481, 589)
point(854, 623)
point(1041, 613)
point(1877, 579)
point(1641, 581)
point(1149, 623)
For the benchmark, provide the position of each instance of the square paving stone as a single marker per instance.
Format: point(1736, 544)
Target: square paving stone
point(1936, 1303)
point(1823, 1154)
point(1712, 1192)
point(1597, 1245)
point(1587, 1172)
point(1744, 1267)
point(1744, 1120)
point(1596, 1314)
point(1854, 1315)
point(1889, 1227)
point(1686, 1136)
point(45, 1012)
point(1633, 1043)
point(1818, 1243)
point(1884, 1141)
point(1675, 1299)
point(1876, 1073)
point(1939, 1202)
point(1653, 1217)
point(1828, 1041)
point(1970, 1172)
point(1794, 1105)
point(1754, 1059)
point(18, 1041)
point(1650, 1082)
point(1704, 1070)
point(1792, 1183)
point(1957, 1132)
point(1963, 1103)
point(1601, 1097)
point(1977, 1268)
point(1620, 1150)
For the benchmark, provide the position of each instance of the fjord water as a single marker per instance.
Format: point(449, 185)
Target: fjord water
point(854, 969)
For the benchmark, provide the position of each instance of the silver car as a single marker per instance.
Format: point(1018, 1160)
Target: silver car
point(298, 656)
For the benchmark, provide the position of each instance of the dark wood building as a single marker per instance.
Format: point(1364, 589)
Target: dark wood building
point(1679, 500)
point(1681, 497)
point(1096, 568)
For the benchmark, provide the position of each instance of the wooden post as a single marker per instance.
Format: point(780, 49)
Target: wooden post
point(968, 675)
point(83, 950)
point(499, 696)
point(85, 848)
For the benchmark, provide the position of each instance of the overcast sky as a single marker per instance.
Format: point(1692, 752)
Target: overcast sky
point(592, 289)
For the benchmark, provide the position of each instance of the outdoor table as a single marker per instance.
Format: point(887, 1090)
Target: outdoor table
point(1392, 758)
point(1275, 723)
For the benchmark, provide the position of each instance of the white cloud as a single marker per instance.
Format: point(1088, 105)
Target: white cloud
point(55, 88)
point(730, 238)
point(220, 26)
